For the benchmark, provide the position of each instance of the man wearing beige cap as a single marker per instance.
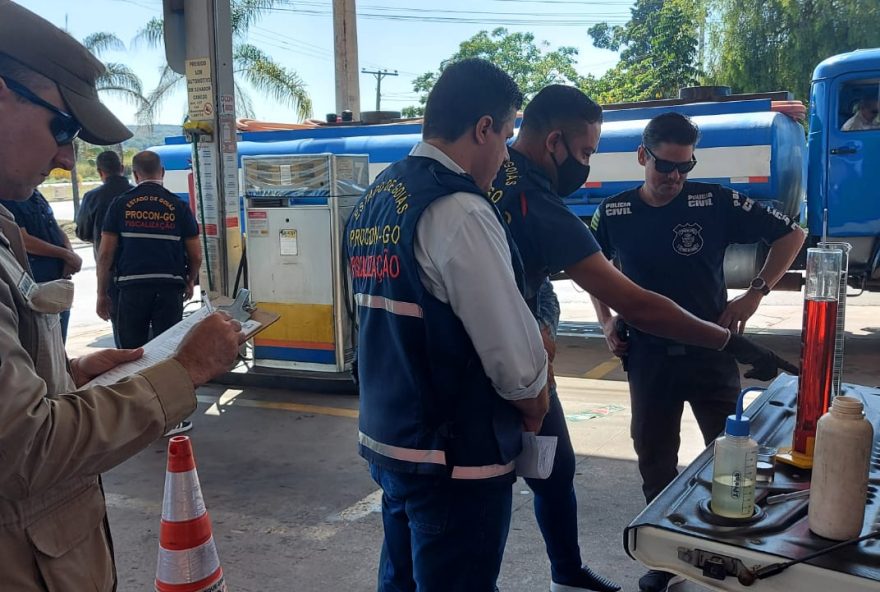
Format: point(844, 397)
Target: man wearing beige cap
point(56, 440)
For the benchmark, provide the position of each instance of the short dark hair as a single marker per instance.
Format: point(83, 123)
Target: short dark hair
point(866, 101)
point(146, 163)
point(559, 107)
point(672, 128)
point(109, 163)
point(466, 91)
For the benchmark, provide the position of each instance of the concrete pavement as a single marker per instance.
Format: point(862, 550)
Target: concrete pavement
point(295, 509)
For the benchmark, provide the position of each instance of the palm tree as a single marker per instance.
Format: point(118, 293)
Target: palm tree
point(118, 80)
point(250, 64)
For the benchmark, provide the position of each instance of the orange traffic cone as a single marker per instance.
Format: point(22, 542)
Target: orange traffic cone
point(188, 559)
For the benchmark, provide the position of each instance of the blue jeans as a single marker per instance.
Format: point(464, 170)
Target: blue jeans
point(555, 500)
point(441, 534)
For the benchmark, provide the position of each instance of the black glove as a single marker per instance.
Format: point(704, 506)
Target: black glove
point(765, 364)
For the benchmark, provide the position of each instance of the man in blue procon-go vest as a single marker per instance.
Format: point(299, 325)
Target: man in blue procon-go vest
point(550, 158)
point(670, 235)
point(150, 240)
point(452, 369)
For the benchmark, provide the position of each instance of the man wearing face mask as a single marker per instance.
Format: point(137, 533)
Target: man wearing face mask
point(549, 160)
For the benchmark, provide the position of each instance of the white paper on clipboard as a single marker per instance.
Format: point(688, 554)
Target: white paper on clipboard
point(160, 348)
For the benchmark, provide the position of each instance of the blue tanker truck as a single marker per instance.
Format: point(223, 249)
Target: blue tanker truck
point(756, 144)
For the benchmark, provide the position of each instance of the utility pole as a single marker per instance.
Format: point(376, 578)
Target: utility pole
point(379, 74)
point(198, 43)
point(345, 51)
point(74, 174)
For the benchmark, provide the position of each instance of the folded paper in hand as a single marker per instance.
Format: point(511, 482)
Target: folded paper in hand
point(536, 459)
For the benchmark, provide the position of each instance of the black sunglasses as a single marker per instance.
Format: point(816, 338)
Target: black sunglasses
point(65, 128)
point(667, 166)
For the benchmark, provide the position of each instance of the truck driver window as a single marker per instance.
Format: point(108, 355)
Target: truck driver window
point(859, 106)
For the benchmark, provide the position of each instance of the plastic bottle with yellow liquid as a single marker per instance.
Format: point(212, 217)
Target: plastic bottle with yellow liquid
point(735, 468)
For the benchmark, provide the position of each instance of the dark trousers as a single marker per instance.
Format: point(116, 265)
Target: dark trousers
point(441, 534)
point(661, 379)
point(555, 499)
point(142, 307)
point(113, 293)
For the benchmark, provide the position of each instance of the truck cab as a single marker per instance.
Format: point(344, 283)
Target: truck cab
point(843, 193)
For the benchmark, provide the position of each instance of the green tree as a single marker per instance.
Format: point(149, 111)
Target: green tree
point(658, 47)
point(250, 64)
point(764, 45)
point(531, 64)
point(119, 79)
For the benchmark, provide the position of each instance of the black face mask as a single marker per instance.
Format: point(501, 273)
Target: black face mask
point(571, 174)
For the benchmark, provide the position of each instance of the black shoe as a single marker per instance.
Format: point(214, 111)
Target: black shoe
point(655, 581)
point(183, 426)
point(586, 579)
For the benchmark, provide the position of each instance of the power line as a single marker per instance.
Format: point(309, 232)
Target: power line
point(537, 19)
point(295, 42)
point(624, 3)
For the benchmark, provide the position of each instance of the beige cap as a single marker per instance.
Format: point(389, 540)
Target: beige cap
point(47, 50)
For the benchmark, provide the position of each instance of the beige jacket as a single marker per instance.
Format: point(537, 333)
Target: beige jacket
point(55, 441)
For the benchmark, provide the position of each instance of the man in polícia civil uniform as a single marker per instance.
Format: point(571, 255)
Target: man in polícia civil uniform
point(670, 235)
point(55, 440)
point(450, 361)
point(550, 159)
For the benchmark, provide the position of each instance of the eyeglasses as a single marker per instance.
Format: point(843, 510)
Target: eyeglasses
point(667, 166)
point(64, 127)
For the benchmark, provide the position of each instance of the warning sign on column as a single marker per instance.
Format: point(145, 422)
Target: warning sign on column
point(199, 89)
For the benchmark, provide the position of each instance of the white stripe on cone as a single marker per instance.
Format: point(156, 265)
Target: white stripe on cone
point(183, 497)
point(186, 567)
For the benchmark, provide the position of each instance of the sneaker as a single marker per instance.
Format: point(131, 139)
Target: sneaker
point(183, 426)
point(655, 581)
point(586, 579)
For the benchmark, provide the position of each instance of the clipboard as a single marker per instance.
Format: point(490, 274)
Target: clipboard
point(165, 345)
point(253, 320)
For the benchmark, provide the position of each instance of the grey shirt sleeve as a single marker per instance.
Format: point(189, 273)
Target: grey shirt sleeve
point(464, 260)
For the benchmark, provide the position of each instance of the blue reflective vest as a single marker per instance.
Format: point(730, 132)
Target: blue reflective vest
point(426, 405)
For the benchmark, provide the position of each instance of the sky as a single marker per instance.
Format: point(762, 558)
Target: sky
point(410, 36)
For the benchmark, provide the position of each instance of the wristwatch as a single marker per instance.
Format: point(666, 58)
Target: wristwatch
point(760, 285)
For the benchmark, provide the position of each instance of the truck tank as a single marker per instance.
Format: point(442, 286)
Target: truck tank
point(744, 145)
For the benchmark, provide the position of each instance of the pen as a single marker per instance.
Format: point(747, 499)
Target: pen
point(207, 301)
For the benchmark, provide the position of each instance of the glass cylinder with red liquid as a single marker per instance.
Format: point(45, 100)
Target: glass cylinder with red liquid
point(818, 339)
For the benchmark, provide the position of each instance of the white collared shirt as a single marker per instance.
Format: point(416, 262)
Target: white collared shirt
point(464, 260)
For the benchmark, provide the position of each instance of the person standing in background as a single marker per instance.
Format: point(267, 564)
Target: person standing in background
point(90, 219)
point(95, 203)
point(150, 250)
